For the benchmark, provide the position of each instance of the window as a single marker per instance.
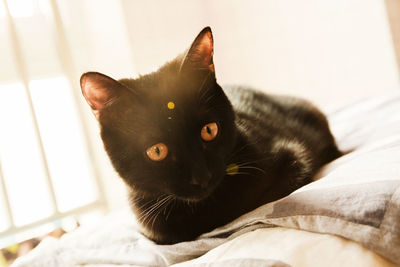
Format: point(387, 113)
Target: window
point(46, 172)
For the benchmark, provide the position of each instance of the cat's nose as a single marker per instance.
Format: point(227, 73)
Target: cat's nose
point(201, 180)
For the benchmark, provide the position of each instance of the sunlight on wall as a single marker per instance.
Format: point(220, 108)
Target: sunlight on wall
point(329, 52)
point(22, 166)
point(21, 162)
point(3, 213)
point(19, 8)
point(63, 143)
point(24, 8)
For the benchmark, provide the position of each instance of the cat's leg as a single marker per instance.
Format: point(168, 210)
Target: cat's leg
point(292, 162)
point(291, 166)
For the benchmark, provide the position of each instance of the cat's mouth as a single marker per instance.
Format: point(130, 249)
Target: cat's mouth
point(197, 193)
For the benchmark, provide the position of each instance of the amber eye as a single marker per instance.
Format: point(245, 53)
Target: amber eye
point(157, 152)
point(209, 131)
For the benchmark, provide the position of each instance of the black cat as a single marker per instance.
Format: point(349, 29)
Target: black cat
point(196, 156)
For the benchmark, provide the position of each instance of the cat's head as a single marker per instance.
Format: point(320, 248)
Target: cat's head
point(170, 131)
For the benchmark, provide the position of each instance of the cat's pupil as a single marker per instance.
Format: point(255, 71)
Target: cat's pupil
point(208, 129)
point(157, 150)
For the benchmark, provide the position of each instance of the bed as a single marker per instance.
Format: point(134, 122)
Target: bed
point(349, 216)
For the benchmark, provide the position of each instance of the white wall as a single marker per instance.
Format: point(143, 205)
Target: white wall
point(99, 42)
point(327, 51)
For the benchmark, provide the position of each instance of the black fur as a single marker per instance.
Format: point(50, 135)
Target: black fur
point(277, 142)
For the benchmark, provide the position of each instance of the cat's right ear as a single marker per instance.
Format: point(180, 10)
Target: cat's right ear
point(99, 90)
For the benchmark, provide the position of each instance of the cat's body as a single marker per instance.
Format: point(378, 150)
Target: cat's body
point(195, 160)
point(281, 143)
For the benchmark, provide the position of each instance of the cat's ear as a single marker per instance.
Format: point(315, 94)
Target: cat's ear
point(200, 53)
point(99, 90)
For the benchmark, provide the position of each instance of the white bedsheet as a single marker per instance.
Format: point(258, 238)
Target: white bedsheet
point(278, 246)
point(357, 198)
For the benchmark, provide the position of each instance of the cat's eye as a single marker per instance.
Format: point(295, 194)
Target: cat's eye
point(157, 152)
point(209, 131)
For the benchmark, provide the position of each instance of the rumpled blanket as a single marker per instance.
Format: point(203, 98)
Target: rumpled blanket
point(357, 197)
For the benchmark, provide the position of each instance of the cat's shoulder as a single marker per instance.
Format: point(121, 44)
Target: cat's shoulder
point(244, 95)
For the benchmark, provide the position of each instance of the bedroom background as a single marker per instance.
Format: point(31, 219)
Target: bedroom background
point(53, 170)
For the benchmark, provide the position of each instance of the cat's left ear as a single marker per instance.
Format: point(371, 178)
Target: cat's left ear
point(200, 54)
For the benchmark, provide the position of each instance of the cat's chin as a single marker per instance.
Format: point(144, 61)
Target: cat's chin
point(191, 195)
point(193, 199)
point(196, 194)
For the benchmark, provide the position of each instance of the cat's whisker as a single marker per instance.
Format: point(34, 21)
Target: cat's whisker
point(251, 162)
point(202, 95)
point(235, 153)
point(244, 164)
point(169, 201)
point(169, 212)
point(145, 209)
point(165, 204)
point(152, 215)
point(249, 154)
point(243, 173)
point(172, 206)
point(252, 167)
point(192, 204)
point(161, 202)
point(125, 130)
point(154, 203)
point(246, 173)
point(241, 148)
point(148, 211)
point(209, 98)
point(158, 209)
point(203, 84)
